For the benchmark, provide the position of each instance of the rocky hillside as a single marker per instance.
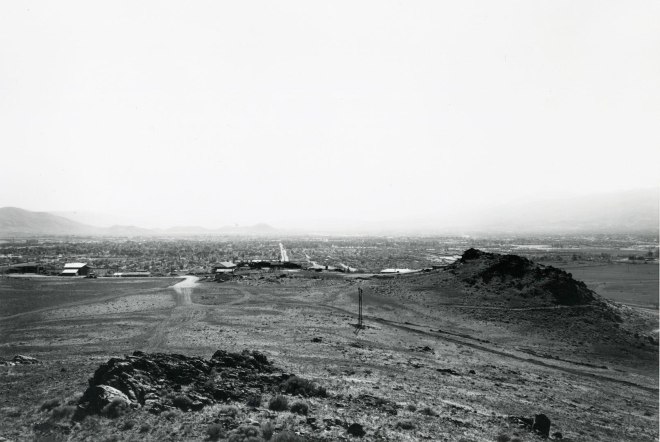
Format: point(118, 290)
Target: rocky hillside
point(520, 280)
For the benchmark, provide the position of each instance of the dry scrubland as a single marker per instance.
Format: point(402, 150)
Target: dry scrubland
point(451, 354)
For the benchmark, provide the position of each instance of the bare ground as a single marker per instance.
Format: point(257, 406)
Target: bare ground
point(455, 371)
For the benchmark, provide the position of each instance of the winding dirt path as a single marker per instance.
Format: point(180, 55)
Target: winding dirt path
point(182, 314)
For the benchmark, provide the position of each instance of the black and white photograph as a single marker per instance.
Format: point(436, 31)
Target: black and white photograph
point(321, 221)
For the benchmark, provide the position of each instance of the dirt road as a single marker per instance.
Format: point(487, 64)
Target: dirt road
point(182, 314)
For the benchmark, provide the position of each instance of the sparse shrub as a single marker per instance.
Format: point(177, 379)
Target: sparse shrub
point(186, 429)
point(287, 436)
point(182, 402)
point(405, 425)
point(303, 387)
point(228, 411)
point(278, 403)
point(12, 411)
point(215, 432)
point(411, 407)
point(115, 408)
point(63, 412)
point(145, 427)
point(128, 425)
point(428, 411)
point(170, 414)
point(300, 408)
point(502, 438)
point(267, 430)
point(50, 404)
point(245, 433)
point(254, 400)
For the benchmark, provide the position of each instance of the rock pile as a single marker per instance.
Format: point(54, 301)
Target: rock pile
point(162, 382)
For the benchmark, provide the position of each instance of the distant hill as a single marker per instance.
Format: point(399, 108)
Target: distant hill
point(16, 222)
point(20, 222)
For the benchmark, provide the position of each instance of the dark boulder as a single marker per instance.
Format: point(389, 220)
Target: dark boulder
point(541, 425)
point(356, 430)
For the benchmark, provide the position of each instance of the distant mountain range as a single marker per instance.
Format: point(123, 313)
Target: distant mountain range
point(633, 211)
point(15, 222)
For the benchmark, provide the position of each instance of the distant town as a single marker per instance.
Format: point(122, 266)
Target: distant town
point(226, 257)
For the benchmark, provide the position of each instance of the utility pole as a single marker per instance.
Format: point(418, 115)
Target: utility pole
point(359, 325)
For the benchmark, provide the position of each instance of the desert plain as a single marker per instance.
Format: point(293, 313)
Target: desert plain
point(470, 352)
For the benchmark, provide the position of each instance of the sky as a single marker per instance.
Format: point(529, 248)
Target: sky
point(299, 113)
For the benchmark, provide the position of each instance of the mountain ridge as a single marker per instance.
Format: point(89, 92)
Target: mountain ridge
point(17, 222)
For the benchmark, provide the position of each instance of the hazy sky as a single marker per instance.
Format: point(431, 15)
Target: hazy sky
point(288, 112)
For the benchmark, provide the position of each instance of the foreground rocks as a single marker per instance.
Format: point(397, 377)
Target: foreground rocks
point(162, 382)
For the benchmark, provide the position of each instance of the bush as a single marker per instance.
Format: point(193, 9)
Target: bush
point(128, 425)
point(287, 436)
point(300, 408)
point(215, 432)
point(254, 400)
point(115, 408)
point(245, 433)
point(182, 402)
point(405, 425)
point(50, 404)
point(278, 403)
point(228, 410)
point(411, 407)
point(428, 411)
point(170, 415)
point(63, 412)
point(303, 387)
point(502, 438)
point(267, 430)
point(145, 427)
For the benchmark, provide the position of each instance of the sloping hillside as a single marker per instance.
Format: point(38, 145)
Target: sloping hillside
point(20, 222)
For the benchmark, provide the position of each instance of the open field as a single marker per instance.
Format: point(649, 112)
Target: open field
point(25, 294)
point(440, 367)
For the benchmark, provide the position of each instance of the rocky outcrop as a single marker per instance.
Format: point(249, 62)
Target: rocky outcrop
point(515, 272)
point(161, 381)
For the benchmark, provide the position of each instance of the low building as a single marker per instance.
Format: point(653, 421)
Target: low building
point(224, 267)
point(24, 267)
point(76, 269)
